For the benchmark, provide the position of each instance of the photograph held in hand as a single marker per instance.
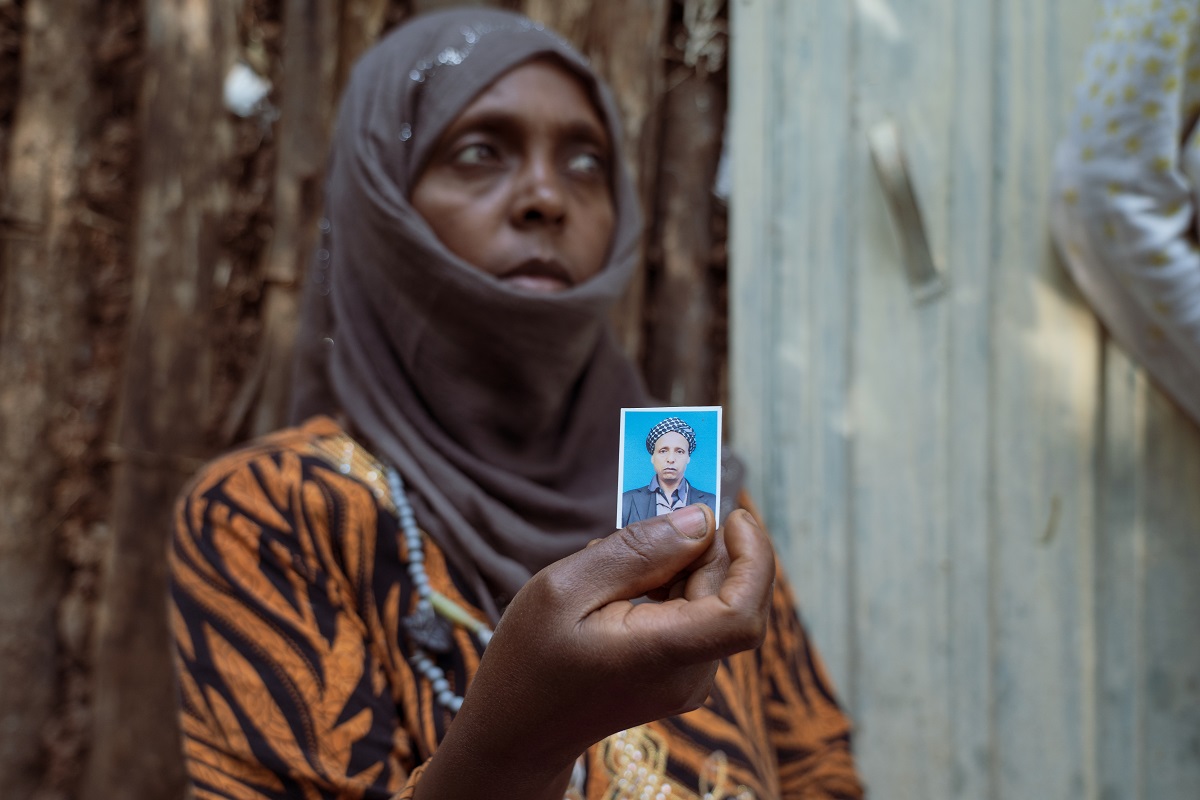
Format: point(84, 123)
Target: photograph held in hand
point(670, 458)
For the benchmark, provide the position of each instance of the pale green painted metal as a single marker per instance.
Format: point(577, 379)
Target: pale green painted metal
point(991, 518)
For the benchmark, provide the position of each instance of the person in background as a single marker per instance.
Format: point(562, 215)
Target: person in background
point(670, 444)
point(1126, 187)
point(416, 591)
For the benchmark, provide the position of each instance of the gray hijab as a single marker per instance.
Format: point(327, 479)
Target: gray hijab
point(500, 409)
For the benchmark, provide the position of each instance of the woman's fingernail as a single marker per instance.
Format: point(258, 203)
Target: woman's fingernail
point(691, 521)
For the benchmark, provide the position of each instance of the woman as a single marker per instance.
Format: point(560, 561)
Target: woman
point(335, 584)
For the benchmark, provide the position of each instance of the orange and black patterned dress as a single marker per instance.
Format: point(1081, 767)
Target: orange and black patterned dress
point(289, 584)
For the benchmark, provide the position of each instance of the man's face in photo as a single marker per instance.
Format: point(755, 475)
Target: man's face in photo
point(670, 458)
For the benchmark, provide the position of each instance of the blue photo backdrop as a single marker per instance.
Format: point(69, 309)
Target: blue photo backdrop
point(704, 466)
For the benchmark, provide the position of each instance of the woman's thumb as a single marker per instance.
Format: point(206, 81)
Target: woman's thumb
point(643, 556)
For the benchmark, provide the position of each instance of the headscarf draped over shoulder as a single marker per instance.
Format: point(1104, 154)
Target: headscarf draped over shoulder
point(500, 408)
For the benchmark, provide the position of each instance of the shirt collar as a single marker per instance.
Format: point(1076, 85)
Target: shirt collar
point(681, 491)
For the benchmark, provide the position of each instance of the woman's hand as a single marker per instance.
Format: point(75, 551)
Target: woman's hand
point(575, 658)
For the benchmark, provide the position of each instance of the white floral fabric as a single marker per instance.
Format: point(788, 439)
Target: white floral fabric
point(1125, 193)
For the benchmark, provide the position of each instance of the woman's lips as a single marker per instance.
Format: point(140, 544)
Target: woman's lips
point(539, 275)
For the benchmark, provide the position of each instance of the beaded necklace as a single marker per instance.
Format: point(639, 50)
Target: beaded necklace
point(430, 626)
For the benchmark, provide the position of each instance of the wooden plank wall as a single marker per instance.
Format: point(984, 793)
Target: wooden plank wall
point(990, 515)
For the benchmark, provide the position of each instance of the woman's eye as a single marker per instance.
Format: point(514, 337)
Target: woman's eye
point(586, 163)
point(475, 154)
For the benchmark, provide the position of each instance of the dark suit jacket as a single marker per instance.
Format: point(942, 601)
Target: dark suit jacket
point(638, 504)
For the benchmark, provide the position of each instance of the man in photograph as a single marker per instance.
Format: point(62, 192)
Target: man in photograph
point(670, 444)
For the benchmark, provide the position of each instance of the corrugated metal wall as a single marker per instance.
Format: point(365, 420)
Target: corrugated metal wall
point(991, 517)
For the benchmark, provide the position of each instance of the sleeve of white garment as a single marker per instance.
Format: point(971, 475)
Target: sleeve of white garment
point(1125, 187)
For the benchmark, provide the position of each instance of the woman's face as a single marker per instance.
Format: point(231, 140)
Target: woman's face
point(519, 183)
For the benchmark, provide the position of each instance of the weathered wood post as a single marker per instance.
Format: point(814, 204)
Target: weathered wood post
point(184, 196)
point(42, 301)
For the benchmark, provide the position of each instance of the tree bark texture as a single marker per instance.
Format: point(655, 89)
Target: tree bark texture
point(187, 143)
point(41, 334)
point(310, 64)
point(152, 247)
point(360, 26)
point(681, 347)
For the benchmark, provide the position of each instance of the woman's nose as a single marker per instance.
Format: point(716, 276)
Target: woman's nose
point(540, 197)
